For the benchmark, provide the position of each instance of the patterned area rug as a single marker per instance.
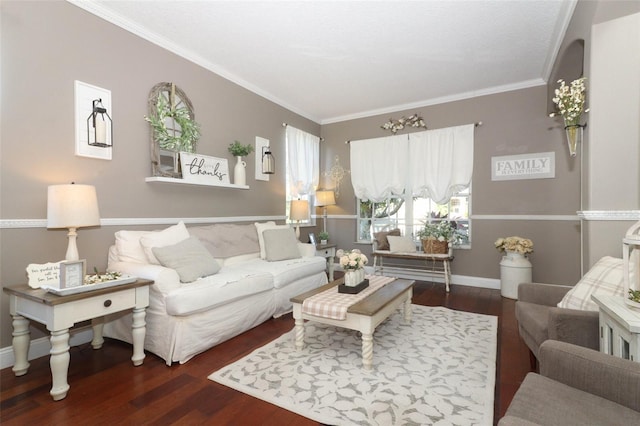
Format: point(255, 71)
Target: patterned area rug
point(438, 370)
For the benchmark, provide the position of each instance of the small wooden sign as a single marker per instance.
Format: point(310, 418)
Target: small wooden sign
point(199, 168)
point(47, 274)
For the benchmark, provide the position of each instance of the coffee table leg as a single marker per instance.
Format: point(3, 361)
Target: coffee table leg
point(299, 333)
point(367, 351)
point(407, 310)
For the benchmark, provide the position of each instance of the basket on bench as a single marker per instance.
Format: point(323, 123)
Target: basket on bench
point(433, 246)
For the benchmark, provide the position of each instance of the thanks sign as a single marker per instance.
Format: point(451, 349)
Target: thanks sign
point(541, 165)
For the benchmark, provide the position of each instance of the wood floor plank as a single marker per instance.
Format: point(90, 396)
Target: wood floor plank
point(107, 389)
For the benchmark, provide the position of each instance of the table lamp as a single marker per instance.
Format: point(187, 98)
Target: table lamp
point(299, 211)
point(72, 206)
point(324, 199)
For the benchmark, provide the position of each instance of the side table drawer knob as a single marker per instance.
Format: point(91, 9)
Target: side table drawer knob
point(107, 303)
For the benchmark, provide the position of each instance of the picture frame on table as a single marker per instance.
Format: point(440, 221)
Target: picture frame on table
point(312, 238)
point(72, 273)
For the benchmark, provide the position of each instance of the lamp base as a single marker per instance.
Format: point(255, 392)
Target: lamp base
point(72, 248)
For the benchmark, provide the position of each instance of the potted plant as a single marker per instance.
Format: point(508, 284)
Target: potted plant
point(324, 237)
point(436, 236)
point(238, 150)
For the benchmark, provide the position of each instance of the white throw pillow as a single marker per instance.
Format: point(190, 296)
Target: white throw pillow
point(172, 235)
point(261, 227)
point(606, 278)
point(189, 258)
point(281, 244)
point(129, 248)
point(401, 244)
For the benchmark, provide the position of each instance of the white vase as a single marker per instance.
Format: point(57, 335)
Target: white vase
point(239, 172)
point(515, 269)
point(353, 277)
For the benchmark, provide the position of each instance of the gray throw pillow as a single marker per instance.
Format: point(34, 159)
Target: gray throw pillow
point(382, 242)
point(189, 258)
point(280, 244)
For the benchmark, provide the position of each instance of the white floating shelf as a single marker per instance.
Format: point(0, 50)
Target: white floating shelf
point(183, 182)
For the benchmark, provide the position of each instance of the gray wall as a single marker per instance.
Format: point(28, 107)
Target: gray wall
point(48, 45)
point(513, 123)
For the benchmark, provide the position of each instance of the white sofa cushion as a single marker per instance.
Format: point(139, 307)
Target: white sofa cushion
point(225, 240)
point(129, 248)
point(286, 272)
point(169, 236)
point(280, 244)
point(606, 278)
point(230, 284)
point(189, 258)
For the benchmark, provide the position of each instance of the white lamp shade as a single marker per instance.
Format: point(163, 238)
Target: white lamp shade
point(72, 206)
point(325, 198)
point(299, 210)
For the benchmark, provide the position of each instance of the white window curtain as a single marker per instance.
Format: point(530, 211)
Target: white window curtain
point(303, 161)
point(440, 162)
point(379, 167)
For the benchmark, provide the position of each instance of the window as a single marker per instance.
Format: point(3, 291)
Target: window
point(410, 213)
point(302, 169)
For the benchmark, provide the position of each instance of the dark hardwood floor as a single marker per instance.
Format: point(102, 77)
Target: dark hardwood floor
point(107, 389)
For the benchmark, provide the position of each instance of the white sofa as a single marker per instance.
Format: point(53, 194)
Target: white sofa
point(256, 278)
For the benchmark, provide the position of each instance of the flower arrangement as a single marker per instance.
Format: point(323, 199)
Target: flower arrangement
point(515, 243)
point(184, 138)
point(352, 260)
point(570, 101)
point(101, 278)
point(238, 150)
point(412, 121)
point(440, 231)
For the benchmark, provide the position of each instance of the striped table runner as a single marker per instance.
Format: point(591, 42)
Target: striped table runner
point(334, 305)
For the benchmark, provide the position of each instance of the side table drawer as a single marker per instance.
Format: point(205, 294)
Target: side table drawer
point(105, 304)
point(329, 252)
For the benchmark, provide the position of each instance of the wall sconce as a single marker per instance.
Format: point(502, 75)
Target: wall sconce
point(268, 162)
point(72, 206)
point(97, 124)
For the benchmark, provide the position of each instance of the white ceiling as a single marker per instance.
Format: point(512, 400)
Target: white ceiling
point(335, 60)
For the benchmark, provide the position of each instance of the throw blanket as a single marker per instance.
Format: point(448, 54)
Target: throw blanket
point(334, 305)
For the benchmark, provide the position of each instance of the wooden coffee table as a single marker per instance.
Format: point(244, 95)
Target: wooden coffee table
point(363, 316)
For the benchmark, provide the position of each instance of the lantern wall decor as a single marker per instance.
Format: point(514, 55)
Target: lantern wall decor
point(93, 123)
point(268, 162)
point(99, 126)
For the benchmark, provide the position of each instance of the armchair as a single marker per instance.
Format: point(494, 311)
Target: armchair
point(564, 313)
point(577, 386)
point(540, 319)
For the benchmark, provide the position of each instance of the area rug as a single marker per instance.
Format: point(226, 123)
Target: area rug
point(438, 370)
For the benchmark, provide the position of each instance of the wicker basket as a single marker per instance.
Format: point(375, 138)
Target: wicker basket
point(434, 246)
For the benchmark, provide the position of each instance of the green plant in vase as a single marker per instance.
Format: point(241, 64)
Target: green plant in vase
point(324, 236)
point(238, 150)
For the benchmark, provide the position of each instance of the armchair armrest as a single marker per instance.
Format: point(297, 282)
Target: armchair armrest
point(609, 377)
point(574, 326)
point(542, 294)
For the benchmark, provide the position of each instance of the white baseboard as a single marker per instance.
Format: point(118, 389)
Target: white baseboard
point(414, 274)
point(42, 346)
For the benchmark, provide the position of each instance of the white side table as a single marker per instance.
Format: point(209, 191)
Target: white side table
point(329, 252)
point(60, 313)
point(619, 327)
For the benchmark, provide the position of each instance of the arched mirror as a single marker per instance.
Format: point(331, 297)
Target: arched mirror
point(173, 128)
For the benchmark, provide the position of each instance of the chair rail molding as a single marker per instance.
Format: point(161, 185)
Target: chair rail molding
point(608, 215)
point(137, 221)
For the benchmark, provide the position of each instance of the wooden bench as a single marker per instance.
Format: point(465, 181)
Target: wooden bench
point(436, 264)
